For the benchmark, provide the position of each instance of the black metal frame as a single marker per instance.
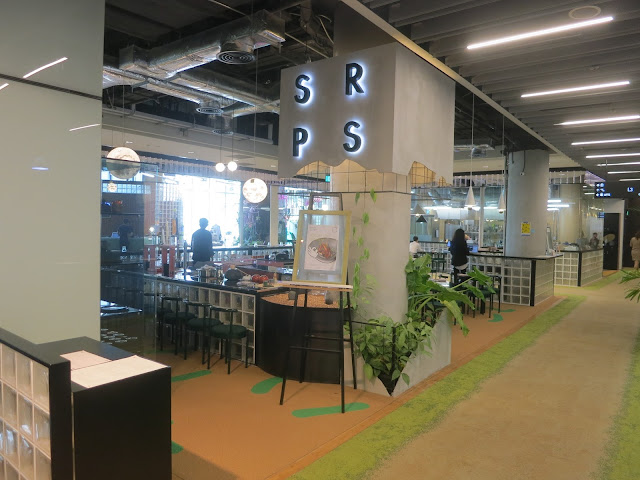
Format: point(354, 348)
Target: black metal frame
point(307, 336)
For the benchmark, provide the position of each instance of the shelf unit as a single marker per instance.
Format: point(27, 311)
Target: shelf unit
point(245, 303)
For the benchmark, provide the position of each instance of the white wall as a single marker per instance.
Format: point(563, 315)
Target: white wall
point(50, 219)
point(617, 206)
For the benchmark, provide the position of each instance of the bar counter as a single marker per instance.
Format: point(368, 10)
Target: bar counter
point(126, 288)
point(525, 280)
point(579, 267)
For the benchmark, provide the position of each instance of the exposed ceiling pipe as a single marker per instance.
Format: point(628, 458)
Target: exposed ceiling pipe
point(233, 42)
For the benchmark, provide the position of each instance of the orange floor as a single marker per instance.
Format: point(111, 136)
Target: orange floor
point(221, 430)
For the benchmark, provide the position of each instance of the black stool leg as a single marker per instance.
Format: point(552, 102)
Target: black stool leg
point(341, 350)
point(305, 341)
point(286, 358)
point(353, 358)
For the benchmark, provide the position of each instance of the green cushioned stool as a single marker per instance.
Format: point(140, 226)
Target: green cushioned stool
point(228, 332)
point(201, 325)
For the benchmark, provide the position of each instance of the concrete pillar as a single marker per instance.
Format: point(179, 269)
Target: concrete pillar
point(273, 214)
point(570, 227)
point(50, 186)
point(386, 236)
point(527, 192)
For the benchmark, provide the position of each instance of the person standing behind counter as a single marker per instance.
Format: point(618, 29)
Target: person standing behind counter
point(201, 244)
point(635, 250)
point(459, 252)
point(125, 231)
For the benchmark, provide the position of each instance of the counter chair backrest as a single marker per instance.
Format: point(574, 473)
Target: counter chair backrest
point(227, 332)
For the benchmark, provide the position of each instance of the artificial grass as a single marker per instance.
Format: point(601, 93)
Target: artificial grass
point(265, 386)
point(365, 451)
point(622, 459)
point(189, 376)
point(603, 282)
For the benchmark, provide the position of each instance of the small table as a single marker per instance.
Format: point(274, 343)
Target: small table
point(304, 345)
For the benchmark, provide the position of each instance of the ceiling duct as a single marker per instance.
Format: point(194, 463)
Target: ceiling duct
point(210, 108)
point(112, 76)
point(223, 125)
point(239, 36)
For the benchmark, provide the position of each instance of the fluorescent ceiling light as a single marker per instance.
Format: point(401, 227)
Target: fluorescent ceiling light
point(635, 154)
point(552, 209)
point(619, 140)
point(561, 205)
point(40, 169)
point(147, 174)
point(623, 172)
point(576, 89)
point(589, 193)
point(60, 60)
point(85, 126)
point(4, 85)
point(600, 120)
point(539, 33)
point(616, 164)
point(629, 180)
point(554, 200)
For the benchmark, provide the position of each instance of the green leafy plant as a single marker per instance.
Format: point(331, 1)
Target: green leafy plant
point(386, 346)
point(633, 293)
point(362, 287)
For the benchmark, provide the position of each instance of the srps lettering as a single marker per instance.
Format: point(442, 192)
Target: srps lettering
point(353, 73)
point(357, 139)
point(300, 137)
point(306, 92)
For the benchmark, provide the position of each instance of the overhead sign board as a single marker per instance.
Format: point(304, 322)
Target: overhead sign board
point(382, 107)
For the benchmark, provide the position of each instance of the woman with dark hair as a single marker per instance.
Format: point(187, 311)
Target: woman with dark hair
point(635, 250)
point(459, 251)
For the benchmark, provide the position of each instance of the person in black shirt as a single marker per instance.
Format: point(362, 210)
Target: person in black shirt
point(459, 251)
point(124, 232)
point(201, 243)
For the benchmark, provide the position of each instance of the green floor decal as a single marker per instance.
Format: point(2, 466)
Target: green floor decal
point(315, 412)
point(175, 448)
point(622, 458)
point(507, 310)
point(189, 376)
point(496, 318)
point(358, 456)
point(265, 386)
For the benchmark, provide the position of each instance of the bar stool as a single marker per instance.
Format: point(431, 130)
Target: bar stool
point(200, 325)
point(227, 333)
point(168, 318)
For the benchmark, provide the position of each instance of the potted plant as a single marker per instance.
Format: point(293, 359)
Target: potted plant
point(386, 346)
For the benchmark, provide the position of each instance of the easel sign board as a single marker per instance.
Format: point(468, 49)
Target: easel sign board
point(322, 247)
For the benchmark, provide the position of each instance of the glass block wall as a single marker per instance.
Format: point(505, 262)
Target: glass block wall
point(544, 279)
point(25, 439)
point(591, 266)
point(566, 270)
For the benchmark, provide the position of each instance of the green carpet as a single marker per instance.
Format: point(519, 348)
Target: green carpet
point(356, 457)
point(189, 376)
point(496, 318)
point(265, 386)
point(315, 412)
point(603, 282)
point(622, 459)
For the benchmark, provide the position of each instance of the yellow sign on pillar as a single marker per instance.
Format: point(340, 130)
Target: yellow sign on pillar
point(525, 228)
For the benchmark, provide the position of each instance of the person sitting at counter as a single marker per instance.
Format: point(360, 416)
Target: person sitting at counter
point(459, 252)
point(201, 244)
point(595, 241)
point(414, 247)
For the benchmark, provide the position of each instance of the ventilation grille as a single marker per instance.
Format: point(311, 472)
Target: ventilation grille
point(236, 57)
point(207, 110)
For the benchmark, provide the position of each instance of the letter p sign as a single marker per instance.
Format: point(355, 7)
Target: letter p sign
point(300, 137)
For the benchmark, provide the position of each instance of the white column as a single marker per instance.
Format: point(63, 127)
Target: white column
point(528, 187)
point(50, 216)
point(273, 214)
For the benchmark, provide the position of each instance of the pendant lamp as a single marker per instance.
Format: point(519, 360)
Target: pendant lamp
point(471, 200)
point(501, 203)
point(255, 190)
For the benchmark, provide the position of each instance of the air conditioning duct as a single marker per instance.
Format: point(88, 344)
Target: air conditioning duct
point(236, 40)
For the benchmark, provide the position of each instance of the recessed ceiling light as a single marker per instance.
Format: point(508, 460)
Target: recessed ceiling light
point(600, 120)
point(191, 152)
point(618, 140)
point(273, 166)
point(616, 164)
point(622, 172)
point(55, 62)
point(4, 85)
point(576, 89)
point(554, 200)
point(629, 180)
point(635, 154)
point(40, 169)
point(539, 33)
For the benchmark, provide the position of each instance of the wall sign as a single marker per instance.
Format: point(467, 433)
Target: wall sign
point(382, 107)
point(525, 229)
